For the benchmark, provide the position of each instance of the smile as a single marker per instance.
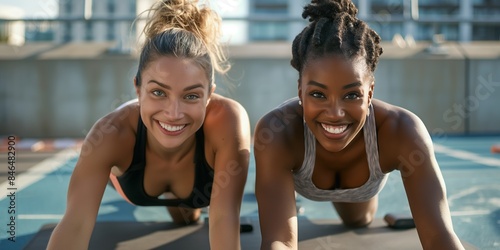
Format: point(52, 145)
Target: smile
point(171, 128)
point(334, 129)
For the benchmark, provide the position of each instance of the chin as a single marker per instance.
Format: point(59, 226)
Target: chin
point(334, 147)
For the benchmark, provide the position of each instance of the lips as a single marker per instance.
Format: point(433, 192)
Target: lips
point(335, 130)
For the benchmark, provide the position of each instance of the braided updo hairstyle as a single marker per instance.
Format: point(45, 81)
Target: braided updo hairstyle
point(183, 29)
point(335, 30)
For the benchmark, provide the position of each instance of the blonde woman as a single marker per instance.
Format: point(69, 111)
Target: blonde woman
point(179, 139)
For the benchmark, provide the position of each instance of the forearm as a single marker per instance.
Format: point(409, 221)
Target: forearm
point(70, 236)
point(278, 236)
point(224, 231)
point(450, 241)
point(276, 245)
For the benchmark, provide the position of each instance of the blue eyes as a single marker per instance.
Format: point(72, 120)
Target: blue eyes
point(159, 93)
point(192, 97)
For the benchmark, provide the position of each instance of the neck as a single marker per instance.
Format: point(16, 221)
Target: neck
point(171, 154)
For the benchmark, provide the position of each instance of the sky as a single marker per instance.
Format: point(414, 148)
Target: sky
point(35, 8)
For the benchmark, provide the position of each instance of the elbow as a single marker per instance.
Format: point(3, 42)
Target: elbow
point(274, 240)
point(441, 242)
point(277, 245)
point(71, 233)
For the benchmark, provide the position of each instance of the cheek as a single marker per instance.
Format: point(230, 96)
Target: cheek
point(197, 110)
point(146, 110)
point(147, 104)
point(359, 110)
point(311, 111)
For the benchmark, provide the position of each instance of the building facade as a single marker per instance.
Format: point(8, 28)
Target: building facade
point(456, 20)
point(104, 20)
point(12, 32)
point(280, 20)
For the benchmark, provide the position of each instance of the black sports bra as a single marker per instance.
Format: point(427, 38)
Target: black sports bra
point(132, 181)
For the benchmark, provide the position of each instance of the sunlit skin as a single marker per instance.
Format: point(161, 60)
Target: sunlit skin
point(174, 93)
point(335, 95)
point(175, 100)
point(335, 101)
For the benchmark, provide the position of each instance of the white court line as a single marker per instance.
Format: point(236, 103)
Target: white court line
point(470, 213)
point(59, 216)
point(38, 171)
point(466, 155)
point(40, 216)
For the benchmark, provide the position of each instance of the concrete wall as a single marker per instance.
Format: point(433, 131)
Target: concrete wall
point(482, 100)
point(261, 85)
point(54, 98)
point(61, 91)
point(428, 85)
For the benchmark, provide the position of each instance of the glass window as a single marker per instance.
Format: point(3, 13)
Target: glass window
point(110, 29)
point(486, 32)
point(387, 7)
point(88, 31)
point(484, 8)
point(111, 6)
point(269, 30)
point(439, 2)
point(68, 7)
point(4, 32)
point(132, 6)
point(270, 6)
point(386, 31)
point(41, 32)
point(67, 32)
point(438, 8)
point(427, 31)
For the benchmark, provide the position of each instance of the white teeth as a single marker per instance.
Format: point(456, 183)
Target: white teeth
point(334, 129)
point(171, 128)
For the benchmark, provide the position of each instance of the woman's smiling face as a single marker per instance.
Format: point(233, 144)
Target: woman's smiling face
point(335, 94)
point(173, 96)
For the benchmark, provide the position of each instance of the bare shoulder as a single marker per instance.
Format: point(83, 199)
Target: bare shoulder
point(396, 121)
point(280, 132)
point(226, 122)
point(112, 135)
point(224, 108)
point(400, 131)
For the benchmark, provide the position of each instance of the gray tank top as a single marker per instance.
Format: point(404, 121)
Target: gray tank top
point(375, 183)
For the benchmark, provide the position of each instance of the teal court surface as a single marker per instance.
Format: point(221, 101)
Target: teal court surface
point(38, 198)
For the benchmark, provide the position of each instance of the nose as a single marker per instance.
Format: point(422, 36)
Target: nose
point(335, 110)
point(173, 110)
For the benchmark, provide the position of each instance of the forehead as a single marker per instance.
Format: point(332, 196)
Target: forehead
point(334, 68)
point(176, 70)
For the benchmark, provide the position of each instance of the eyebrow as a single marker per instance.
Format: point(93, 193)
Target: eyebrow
point(352, 85)
point(323, 86)
point(198, 85)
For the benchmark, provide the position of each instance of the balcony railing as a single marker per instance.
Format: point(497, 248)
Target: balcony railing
point(34, 25)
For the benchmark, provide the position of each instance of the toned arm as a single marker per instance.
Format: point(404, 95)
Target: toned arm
point(424, 185)
point(274, 185)
point(86, 187)
point(228, 129)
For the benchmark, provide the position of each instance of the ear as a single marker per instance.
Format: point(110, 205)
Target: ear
point(212, 90)
point(137, 88)
point(299, 90)
point(370, 92)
